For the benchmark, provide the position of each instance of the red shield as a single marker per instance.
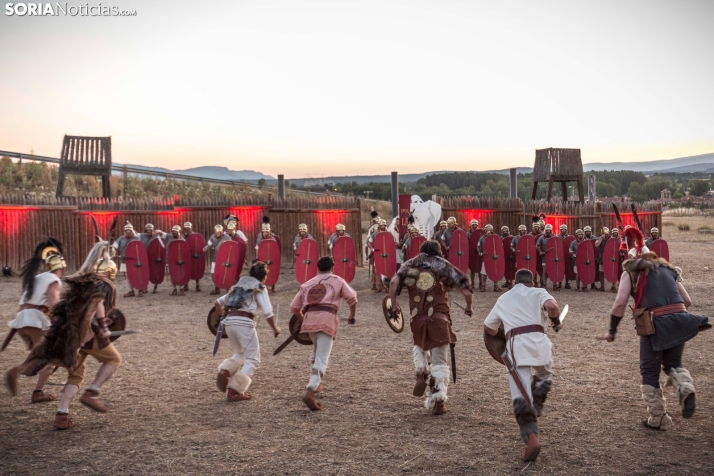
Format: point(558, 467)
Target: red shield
point(137, 264)
point(385, 254)
point(526, 256)
point(414, 246)
point(510, 272)
point(269, 253)
point(157, 260)
point(611, 260)
point(459, 250)
point(660, 247)
point(227, 265)
point(306, 257)
point(539, 262)
point(179, 262)
point(198, 257)
point(494, 258)
point(474, 257)
point(585, 261)
point(555, 259)
point(343, 253)
point(569, 262)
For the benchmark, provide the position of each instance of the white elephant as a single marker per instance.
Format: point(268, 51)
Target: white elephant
point(426, 215)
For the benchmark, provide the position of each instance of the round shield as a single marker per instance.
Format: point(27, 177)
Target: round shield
point(295, 323)
point(118, 322)
point(495, 345)
point(395, 320)
point(212, 322)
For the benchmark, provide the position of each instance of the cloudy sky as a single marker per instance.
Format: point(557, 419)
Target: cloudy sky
point(363, 87)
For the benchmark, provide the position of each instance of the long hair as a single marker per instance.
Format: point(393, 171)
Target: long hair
point(33, 265)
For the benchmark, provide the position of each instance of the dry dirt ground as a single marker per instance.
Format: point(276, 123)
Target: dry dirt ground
point(167, 417)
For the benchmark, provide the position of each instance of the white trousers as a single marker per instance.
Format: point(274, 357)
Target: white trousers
point(244, 340)
point(436, 356)
point(544, 372)
point(321, 354)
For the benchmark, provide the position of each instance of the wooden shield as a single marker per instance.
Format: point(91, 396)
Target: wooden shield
point(137, 264)
point(414, 246)
point(474, 257)
point(294, 326)
point(269, 253)
point(227, 265)
point(510, 272)
point(157, 260)
point(526, 255)
point(585, 261)
point(343, 253)
point(118, 322)
point(385, 254)
point(569, 263)
point(555, 259)
point(660, 247)
point(179, 262)
point(306, 257)
point(459, 250)
point(212, 322)
point(611, 260)
point(198, 257)
point(494, 258)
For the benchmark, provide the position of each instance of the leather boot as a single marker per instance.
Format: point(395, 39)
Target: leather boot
point(532, 449)
point(496, 289)
point(439, 408)
point(309, 400)
point(222, 380)
point(234, 396)
point(198, 288)
point(90, 398)
point(155, 289)
point(420, 386)
point(62, 421)
point(175, 292)
point(215, 292)
point(130, 294)
point(38, 396)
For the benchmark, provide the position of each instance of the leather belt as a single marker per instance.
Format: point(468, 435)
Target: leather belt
point(319, 307)
point(524, 330)
point(240, 314)
point(668, 309)
point(44, 309)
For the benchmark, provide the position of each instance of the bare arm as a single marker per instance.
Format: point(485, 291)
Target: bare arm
point(490, 331)
point(353, 311)
point(273, 325)
point(53, 294)
point(469, 297)
point(219, 308)
point(623, 295)
point(685, 295)
point(553, 310)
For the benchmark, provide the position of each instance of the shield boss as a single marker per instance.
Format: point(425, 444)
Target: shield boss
point(425, 282)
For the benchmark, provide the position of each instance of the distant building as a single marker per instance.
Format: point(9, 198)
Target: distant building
point(709, 194)
point(665, 195)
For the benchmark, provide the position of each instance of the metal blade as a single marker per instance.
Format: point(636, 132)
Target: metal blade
point(563, 313)
point(217, 340)
point(124, 333)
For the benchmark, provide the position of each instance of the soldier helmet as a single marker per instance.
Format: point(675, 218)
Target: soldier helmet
point(176, 228)
point(340, 227)
point(128, 226)
point(588, 228)
point(605, 230)
point(55, 261)
point(504, 228)
point(231, 225)
point(188, 225)
point(488, 227)
point(549, 227)
point(522, 228)
point(148, 226)
point(451, 221)
point(654, 230)
point(302, 227)
point(579, 232)
point(563, 226)
point(443, 223)
point(541, 224)
point(218, 228)
point(474, 222)
point(382, 222)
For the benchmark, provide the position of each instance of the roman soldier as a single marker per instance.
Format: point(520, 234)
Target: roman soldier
point(317, 304)
point(579, 236)
point(412, 232)
point(442, 228)
point(654, 235)
point(302, 234)
point(563, 235)
point(40, 292)
point(488, 230)
point(377, 285)
point(120, 248)
point(429, 278)
point(80, 328)
point(535, 229)
point(265, 232)
point(505, 233)
point(663, 324)
point(241, 307)
point(589, 236)
point(175, 235)
point(340, 230)
point(522, 230)
point(146, 237)
point(187, 231)
point(234, 233)
point(407, 234)
point(520, 314)
point(451, 226)
point(215, 242)
point(473, 226)
point(600, 243)
point(541, 248)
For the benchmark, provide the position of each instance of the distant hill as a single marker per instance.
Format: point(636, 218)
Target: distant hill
point(212, 172)
point(403, 178)
point(695, 163)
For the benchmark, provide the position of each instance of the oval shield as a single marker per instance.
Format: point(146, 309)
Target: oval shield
point(611, 260)
point(343, 253)
point(157, 260)
point(585, 261)
point(474, 256)
point(459, 250)
point(661, 248)
point(269, 253)
point(226, 270)
point(385, 254)
point(179, 262)
point(196, 243)
point(526, 256)
point(212, 322)
point(137, 264)
point(555, 259)
point(570, 261)
point(494, 258)
point(415, 245)
point(306, 257)
point(510, 272)
point(294, 326)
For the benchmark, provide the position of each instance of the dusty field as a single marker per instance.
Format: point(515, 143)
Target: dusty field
point(168, 418)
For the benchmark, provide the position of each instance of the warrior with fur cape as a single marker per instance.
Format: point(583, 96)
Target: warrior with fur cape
point(428, 278)
point(80, 328)
point(40, 293)
point(663, 324)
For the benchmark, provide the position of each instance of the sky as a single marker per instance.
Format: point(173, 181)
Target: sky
point(363, 87)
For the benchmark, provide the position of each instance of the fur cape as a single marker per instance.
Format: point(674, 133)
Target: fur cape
point(445, 272)
point(648, 262)
point(72, 320)
point(245, 287)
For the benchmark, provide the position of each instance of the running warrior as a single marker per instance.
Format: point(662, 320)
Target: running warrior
point(429, 278)
point(215, 242)
point(316, 304)
point(520, 313)
point(663, 324)
point(80, 328)
point(120, 248)
point(40, 292)
point(245, 302)
point(488, 230)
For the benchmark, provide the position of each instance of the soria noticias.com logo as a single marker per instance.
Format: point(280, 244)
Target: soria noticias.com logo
point(64, 9)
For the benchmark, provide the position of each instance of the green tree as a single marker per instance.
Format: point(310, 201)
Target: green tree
point(699, 188)
point(261, 183)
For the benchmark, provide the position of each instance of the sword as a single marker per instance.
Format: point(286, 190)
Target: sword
point(462, 307)
point(287, 341)
point(563, 313)
point(511, 370)
point(453, 362)
point(7, 340)
point(124, 333)
point(219, 336)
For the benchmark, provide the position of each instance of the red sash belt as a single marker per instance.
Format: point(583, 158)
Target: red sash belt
point(44, 309)
point(668, 309)
point(235, 313)
point(319, 307)
point(524, 330)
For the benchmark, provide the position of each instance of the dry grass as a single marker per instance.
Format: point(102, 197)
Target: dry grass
point(683, 227)
point(682, 212)
point(167, 417)
point(668, 223)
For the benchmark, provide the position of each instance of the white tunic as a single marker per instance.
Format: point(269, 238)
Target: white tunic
point(257, 303)
point(35, 317)
point(522, 306)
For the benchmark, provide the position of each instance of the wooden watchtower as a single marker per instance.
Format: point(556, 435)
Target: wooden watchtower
point(558, 165)
point(86, 156)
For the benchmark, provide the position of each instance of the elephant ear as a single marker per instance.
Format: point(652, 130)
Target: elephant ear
point(434, 209)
